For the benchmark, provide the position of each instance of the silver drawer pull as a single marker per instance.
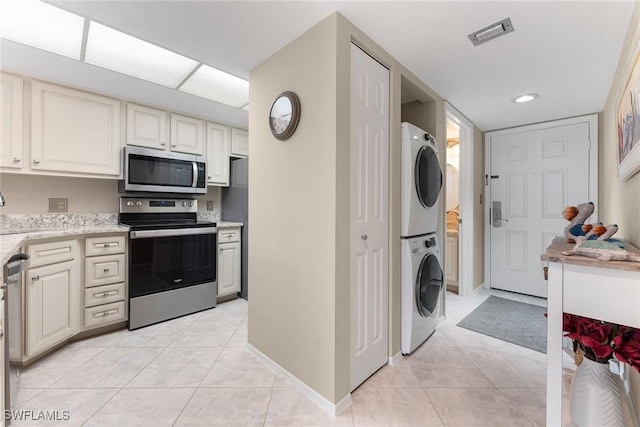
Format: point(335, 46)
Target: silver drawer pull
point(106, 245)
point(36, 162)
point(105, 313)
point(36, 277)
point(106, 270)
point(105, 294)
point(364, 237)
point(16, 160)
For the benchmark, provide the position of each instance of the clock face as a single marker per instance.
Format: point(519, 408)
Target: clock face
point(281, 112)
point(284, 115)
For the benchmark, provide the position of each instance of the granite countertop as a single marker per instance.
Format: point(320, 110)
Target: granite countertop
point(228, 224)
point(11, 240)
point(554, 254)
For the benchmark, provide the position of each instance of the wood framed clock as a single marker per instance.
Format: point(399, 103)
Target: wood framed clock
point(284, 115)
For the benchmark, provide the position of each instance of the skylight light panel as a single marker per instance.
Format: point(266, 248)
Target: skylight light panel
point(42, 26)
point(129, 55)
point(211, 83)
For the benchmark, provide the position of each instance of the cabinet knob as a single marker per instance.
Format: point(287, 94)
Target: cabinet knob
point(162, 144)
point(36, 277)
point(36, 162)
point(106, 245)
point(16, 160)
point(209, 177)
point(173, 145)
point(364, 237)
point(106, 270)
point(1, 334)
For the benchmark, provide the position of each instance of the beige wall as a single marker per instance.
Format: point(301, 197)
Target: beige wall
point(299, 198)
point(620, 201)
point(29, 194)
point(292, 212)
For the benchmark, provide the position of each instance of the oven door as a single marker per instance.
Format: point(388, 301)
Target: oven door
point(167, 259)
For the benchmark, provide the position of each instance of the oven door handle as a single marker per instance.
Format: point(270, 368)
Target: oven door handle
point(147, 234)
point(195, 174)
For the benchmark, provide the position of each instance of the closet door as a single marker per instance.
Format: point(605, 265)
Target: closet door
point(369, 215)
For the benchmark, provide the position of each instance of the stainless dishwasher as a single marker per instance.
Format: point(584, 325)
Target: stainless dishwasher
point(12, 275)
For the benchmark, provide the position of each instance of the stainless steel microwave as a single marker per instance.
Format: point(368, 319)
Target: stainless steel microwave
point(150, 170)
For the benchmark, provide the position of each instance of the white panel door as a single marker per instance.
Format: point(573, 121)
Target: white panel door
point(187, 135)
point(533, 175)
point(52, 295)
point(369, 215)
point(147, 127)
point(74, 131)
point(218, 143)
point(11, 121)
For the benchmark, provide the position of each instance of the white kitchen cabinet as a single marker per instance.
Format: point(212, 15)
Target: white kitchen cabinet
point(451, 259)
point(218, 144)
point(147, 127)
point(74, 131)
point(229, 260)
point(52, 293)
point(104, 280)
point(239, 143)
point(11, 122)
point(3, 355)
point(187, 135)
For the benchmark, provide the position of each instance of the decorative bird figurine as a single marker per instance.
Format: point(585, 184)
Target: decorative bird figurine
point(576, 215)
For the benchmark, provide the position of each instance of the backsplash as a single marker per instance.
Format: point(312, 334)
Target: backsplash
point(56, 220)
point(210, 216)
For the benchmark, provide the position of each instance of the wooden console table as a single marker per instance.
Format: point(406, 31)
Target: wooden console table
point(608, 291)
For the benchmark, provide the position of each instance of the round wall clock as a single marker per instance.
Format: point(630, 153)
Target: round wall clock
point(284, 115)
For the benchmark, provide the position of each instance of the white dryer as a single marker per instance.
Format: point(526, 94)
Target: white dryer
point(421, 182)
point(422, 290)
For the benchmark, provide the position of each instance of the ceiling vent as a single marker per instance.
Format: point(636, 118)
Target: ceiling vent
point(498, 29)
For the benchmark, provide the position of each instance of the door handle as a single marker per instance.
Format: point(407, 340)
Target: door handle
point(496, 214)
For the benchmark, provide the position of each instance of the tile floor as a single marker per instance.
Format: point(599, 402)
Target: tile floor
point(196, 371)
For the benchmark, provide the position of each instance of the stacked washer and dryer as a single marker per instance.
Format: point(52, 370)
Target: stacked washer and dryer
point(422, 278)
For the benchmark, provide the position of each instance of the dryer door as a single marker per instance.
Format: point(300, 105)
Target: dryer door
point(428, 285)
point(428, 176)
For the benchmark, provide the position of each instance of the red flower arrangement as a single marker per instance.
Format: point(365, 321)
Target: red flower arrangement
point(600, 341)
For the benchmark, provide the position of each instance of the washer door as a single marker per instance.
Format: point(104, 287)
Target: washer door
point(428, 285)
point(428, 176)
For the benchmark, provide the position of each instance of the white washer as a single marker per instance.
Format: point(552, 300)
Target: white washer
point(422, 290)
point(421, 182)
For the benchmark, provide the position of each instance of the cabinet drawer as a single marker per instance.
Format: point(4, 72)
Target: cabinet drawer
point(228, 235)
point(103, 270)
point(105, 245)
point(103, 294)
point(102, 314)
point(53, 252)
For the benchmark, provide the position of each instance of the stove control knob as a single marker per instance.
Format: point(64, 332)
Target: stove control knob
point(184, 204)
point(138, 203)
point(129, 203)
point(190, 204)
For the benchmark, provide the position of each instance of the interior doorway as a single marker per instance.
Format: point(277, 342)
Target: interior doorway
point(459, 207)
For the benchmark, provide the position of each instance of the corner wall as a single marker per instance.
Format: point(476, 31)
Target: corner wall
point(478, 201)
point(620, 201)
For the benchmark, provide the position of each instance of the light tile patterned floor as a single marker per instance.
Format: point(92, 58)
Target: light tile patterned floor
point(196, 371)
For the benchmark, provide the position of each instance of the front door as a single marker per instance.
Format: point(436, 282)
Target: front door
point(533, 174)
point(369, 216)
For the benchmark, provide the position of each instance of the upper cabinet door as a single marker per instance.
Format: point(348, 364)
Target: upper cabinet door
point(187, 134)
point(147, 127)
point(218, 142)
point(11, 122)
point(74, 131)
point(239, 143)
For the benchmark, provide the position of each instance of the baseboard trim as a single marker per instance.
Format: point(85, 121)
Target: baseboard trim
point(478, 289)
point(317, 398)
point(395, 359)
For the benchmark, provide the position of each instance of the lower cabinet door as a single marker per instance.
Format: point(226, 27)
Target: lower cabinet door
point(228, 268)
point(52, 295)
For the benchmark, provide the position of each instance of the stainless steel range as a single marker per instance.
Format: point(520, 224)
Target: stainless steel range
point(172, 259)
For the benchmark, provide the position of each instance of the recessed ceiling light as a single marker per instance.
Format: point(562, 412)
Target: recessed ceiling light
point(211, 83)
point(129, 55)
point(527, 97)
point(42, 26)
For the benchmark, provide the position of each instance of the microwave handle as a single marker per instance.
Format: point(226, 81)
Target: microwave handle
point(195, 174)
